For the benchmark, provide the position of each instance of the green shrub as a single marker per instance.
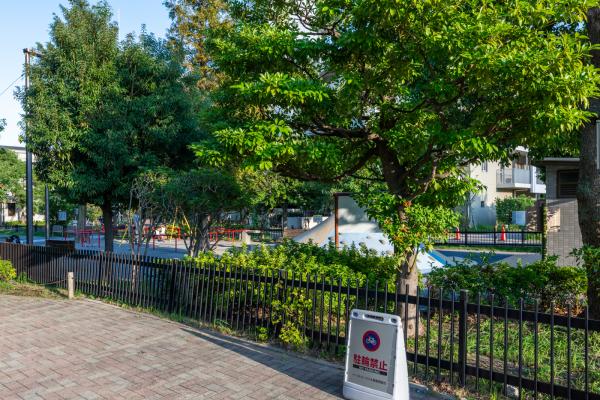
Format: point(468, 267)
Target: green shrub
point(349, 266)
point(289, 314)
point(351, 263)
point(588, 257)
point(542, 280)
point(7, 271)
point(505, 207)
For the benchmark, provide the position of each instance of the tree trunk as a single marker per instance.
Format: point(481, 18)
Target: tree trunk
point(407, 277)
point(107, 216)
point(81, 217)
point(199, 236)
point(588, 190)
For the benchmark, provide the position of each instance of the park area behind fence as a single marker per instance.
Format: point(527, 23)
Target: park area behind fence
point(479, 341)
point(495, 238)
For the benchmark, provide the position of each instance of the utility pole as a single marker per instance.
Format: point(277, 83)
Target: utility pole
point(29, 166)
point(28, 162)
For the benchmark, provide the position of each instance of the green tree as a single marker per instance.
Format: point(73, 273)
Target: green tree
point(265, 190)
point(505, 207)
point(198, 200)
point(12, 182)
point(99, 112)
point(192, 20)
point(12, 173)
point(399, 95)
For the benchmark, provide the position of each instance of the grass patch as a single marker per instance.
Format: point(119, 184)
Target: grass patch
point(549, 345)
point(28, 289)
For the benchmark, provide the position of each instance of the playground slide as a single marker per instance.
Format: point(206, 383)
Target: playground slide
point(356, 228)
point(320, 234)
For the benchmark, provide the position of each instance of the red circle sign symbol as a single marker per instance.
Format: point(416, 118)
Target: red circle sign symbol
point(371, 341)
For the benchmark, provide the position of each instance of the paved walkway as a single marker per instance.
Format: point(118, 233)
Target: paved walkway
point(59, 349)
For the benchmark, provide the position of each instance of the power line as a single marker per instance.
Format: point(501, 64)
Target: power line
point(12, 83)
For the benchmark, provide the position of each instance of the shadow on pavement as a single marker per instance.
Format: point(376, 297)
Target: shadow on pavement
point(323, 376)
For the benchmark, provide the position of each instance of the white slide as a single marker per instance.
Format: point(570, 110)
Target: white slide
point(320, 234)
point(356, 228)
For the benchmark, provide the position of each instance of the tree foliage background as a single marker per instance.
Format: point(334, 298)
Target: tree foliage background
point(398, 96)
point(100, 112)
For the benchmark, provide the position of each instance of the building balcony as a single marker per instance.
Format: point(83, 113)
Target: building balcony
point(518, 178)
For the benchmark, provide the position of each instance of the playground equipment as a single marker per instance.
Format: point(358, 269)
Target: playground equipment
point(93, 236)
point(351, 225)
point(85, 237)
point(503, 234)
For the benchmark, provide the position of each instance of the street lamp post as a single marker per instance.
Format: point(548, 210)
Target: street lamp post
point(29, 166)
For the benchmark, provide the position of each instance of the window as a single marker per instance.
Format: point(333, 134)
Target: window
point(567, 183)
point(521, 162)
point(482, 204)
point(484, 166)
point(12, 209)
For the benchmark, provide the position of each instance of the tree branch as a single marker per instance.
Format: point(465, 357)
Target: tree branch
point(307, 176)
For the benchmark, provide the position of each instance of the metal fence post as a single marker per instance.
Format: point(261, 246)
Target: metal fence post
point(100, 260)
point(462, 337)
point(172, 287)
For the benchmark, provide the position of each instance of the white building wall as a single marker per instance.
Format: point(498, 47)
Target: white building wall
point(481, 208)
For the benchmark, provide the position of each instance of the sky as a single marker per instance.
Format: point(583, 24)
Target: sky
point(23, 23)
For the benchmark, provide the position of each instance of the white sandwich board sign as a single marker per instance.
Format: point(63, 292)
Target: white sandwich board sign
point(375, 358)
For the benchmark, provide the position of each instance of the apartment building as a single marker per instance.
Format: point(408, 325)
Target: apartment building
point(518, 178)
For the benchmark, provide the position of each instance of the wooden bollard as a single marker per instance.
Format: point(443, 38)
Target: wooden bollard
point(71, 285)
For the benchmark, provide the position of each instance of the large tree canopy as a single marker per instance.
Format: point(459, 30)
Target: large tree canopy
point(99, 112)
point(401, 95)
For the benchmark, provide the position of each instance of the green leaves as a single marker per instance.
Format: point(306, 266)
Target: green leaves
point(100, 111)
point(505, 207)
point(279, 88)
point(401, 95)
point(12, 172)
point(542, 280)
point(350, 263)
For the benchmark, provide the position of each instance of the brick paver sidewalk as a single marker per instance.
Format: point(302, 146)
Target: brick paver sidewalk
point(55, 349)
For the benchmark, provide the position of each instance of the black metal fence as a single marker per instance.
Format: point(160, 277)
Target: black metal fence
point(495, 238)
point(266, 234)
point(480, 342)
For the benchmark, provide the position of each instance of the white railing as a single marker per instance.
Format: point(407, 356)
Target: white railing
point(513, 176)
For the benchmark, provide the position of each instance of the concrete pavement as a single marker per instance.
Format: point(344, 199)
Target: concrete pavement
point(59, 349)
